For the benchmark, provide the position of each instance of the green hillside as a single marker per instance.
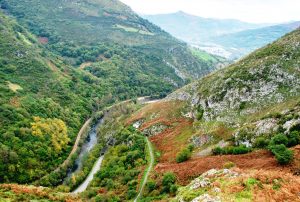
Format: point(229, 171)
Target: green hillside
point(109, 34)
point(36, 83)
point(61, 60)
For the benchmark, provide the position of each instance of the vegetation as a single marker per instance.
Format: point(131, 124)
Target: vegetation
point(168, 183)
point(236, 150)
point(117, 66)
point(185, 154)
point(119, 173)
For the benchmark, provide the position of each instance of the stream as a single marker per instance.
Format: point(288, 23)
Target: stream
point(87, 146)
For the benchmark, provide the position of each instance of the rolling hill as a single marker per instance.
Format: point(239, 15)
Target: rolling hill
point(195, 29)
point(101, 33)
point(227, 38)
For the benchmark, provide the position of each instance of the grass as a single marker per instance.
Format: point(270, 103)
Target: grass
point(14, 87)
point(148, 170)
point(134, 30)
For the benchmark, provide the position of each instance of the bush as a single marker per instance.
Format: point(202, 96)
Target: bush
point(167, 182)
point(261, 142)
point(173, 189)
point(241, 150)
point(284, 157)
point(217, 151)
point(228, 165)
point(131, 194)
point(277, 148)
point(282, 154)
point(151, 185)
point(191, 147)
point(182, 156)
point(231, 150)
point(279, 139)
point(293, 138)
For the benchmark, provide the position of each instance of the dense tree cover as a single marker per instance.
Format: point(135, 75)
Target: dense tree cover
point(85, 31)
point(118, 177)
point(54, 130)
point(38, 78)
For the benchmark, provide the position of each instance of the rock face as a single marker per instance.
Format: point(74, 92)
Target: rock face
point(268, 76)
point(205, 186)
point(207, 198)
point(154, 129)
point(291, 124)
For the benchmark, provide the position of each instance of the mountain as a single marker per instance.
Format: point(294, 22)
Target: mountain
point(96, 33)
point(244, 42)
point(244, 117)
point(60, 61)
point(195, 29)
point(227, 38)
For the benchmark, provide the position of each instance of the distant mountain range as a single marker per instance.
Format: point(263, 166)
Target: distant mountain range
point(228, 38)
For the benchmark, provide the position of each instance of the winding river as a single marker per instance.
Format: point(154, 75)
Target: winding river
point(90, 144)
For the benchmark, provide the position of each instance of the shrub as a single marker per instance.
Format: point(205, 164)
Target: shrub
point(184, 155)
point(284, 157)
point(217, 151)
point(151, 185)
point(261, 142)
point(231, 150)
point(168, 180)
point(241, 150)
point(279, 139)
point(228, 165)
point(173, 189)
point(282, 154)
point(293, 138)
point(191, 147)
point(277, 148)
point(131, 194)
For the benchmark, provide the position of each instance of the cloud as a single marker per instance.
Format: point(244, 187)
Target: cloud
point(259, 11)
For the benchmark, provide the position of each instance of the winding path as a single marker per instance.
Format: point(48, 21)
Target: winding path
point(90, 177)
point(148, 170)
point(78, 138)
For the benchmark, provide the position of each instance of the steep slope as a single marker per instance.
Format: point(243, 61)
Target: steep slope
point(42, 105)
point(109, 40)
point(240, 109)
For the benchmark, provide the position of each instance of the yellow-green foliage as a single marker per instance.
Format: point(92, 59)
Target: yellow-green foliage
point(56, 129)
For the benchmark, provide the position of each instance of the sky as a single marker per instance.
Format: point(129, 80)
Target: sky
point(255, 11)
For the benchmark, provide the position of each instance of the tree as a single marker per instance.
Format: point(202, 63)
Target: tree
point(169, 179)
point(53, 130)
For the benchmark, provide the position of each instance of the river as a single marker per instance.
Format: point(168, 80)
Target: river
point(87, 146)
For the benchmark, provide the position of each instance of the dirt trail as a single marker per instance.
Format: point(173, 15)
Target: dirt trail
point(148, 170)
point(78, 138)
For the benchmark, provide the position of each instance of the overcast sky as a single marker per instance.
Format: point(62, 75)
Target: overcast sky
point(258, 11)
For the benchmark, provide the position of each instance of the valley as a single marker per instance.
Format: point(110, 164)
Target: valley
point(99, 104)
